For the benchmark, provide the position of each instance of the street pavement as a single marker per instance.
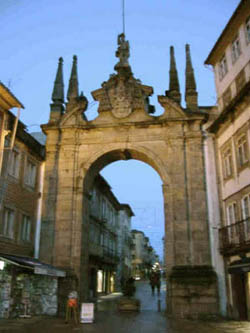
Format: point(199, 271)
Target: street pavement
point(109, 320)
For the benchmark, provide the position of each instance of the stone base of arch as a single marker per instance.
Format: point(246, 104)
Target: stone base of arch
point(192, 292)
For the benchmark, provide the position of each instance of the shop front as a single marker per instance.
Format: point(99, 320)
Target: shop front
point(28, 287)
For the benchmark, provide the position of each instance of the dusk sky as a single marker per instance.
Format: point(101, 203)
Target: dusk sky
point(35, 33)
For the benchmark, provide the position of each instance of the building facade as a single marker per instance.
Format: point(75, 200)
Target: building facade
point(27, 286)
point(103, 238)
point(143, 255)
point(21, 168)
point(124, 269)
point(228, 156)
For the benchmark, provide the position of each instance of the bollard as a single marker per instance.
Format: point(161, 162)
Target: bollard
point(159, 305)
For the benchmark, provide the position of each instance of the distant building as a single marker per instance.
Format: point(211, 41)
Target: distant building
point(109, 240)
point(143, 255)
point(124, 268)
point(228, 155)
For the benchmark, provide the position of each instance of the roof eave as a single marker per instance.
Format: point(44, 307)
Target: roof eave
point(11, 98)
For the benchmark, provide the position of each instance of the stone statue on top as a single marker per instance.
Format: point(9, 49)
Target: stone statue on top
point(122, 52)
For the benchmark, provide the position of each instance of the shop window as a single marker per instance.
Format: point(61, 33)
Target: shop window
point(242, 150)
point(8, 223)
point(30, 175)
point(223, 69)
point(235, 49)
point(25, 228)
point(247, 30)
point(227, 163)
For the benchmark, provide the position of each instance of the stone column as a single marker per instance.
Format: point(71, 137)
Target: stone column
point(49, 196)
point(192, 283)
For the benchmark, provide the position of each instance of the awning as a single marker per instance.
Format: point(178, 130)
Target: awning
point(239, 266)
point(32, 264)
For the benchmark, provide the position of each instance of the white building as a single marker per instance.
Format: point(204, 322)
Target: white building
point(227, 155)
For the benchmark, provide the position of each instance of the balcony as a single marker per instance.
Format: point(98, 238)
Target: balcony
point(235, 238)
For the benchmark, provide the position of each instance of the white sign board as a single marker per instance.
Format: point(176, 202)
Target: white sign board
point(87, 313)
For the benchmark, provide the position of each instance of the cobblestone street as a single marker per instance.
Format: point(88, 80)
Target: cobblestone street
point(107, 319)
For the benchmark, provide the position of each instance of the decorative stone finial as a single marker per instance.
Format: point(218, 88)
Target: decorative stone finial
point(191, 95)
point(73, 82)
point(58, 90)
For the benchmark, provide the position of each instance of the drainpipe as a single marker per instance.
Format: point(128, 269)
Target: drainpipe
point(39, 211)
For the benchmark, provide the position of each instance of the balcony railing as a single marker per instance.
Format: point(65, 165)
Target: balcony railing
point(235, 237)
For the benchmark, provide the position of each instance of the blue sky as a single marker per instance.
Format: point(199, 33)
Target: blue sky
point(35, 33)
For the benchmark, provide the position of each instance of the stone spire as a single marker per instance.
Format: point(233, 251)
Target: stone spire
point(58, 91)
point(191, 95)
point(73, 82)
point(57, 105)
point(174, 87)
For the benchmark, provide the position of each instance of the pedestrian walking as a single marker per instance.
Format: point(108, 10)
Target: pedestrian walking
point(155, 281)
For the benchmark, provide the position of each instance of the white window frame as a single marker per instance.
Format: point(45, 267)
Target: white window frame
point(247, 30)
point(25, 232)
point(231, 218)
point(245, 206)
point(222, 67)
point(8, 222)
point(227, 163)
point(245, 209)
point(235, 49)
point(30, 173)
point(242, 150)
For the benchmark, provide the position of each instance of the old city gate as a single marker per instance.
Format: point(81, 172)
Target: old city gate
point(172, 144)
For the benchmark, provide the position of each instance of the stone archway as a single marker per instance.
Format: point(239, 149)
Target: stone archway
point(77, 149)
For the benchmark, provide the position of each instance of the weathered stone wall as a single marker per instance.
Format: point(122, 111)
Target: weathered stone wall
point(38, 291)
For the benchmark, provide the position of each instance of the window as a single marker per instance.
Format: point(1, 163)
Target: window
point(247, 28)
point(14, 165)
point(223, 67)
point(235, 49)
point(25, 228)
point(231, 213)
point(242, 150)
point(240, 80)
point(245, 205)
point(30, 175)
point(8, 223)
point(227, 96)
point(227, 163)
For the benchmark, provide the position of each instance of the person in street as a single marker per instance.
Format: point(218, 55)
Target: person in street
point(155, 281)
point(72, 306)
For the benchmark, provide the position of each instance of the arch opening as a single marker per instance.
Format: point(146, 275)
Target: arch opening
point(146, 220)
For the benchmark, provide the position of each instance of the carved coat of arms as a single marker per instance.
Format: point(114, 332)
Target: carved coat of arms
point(121, 100)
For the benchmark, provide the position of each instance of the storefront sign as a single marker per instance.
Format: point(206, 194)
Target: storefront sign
point(49, 271)
point(87, 313)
